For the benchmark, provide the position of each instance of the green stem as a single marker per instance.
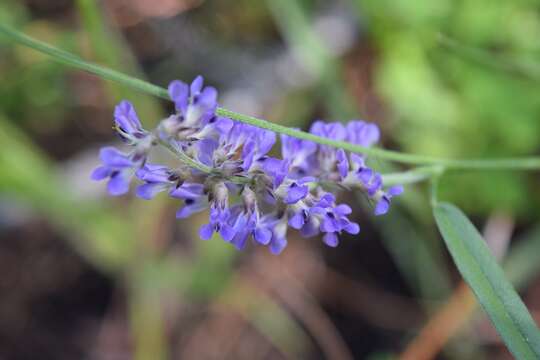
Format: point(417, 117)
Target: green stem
point(523, 163)
point(412, 176)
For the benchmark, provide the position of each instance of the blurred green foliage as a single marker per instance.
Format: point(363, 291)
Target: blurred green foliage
point(461, 81)
point(33, 90)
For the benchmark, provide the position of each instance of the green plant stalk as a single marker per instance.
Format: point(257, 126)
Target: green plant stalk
point(521, 163)
point(412, 176)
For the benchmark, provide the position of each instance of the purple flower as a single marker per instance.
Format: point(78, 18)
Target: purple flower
point(271, 194)
point(326, 158)
point(127, 123)
point(157, 178)
point(246, 221)
point(194, 199)
point(277, 169)
point(195, 111)
point(246, 225)
point(219, 218)
point(371, 181)
point(278, 242)
point(323, 215)
point(362, 133)
point(384, 202)
point(334, 221)
point(292, 191)
point(342, 163)
point(298, 153)
point(256, 147)
point(334, 131)
point(219, 215)
point(118, 167)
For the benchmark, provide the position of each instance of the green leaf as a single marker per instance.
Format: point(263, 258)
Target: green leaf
point(487, 280)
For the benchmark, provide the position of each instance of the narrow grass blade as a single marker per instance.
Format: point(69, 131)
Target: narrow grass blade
point(487, 280)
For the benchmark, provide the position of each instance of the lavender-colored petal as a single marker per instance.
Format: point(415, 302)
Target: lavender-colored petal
point(364, 175)
point(343, 209)
point(190, 208)
point(118, 184)
point(382, 206)
point(375, 184)
point(206, 231)
point(334, 131)
point(240, 222)
point(358, 160)
point(196, 85)
point(110, 156)
point(262, 236)
point(223, 125)
point(187, 191)
point(208, 98)
point(276, 168)
point(352, 228)
point(248, 154)
point(370, 135)
point(362, 133)
point(331, 239)
point(329, 225)
point(327, 199)
point(297, 220)
point(395, 190)
point(241, 230)
point(306, 179)
point(337, 131)
point(126, 117)
point(227, 232)
point(266, 140)
point(310, 228)
point(154, 173)
point(179, 93)
point(100, 173)
point(342, 163)
point(206, 149)
point(277, 244)
point(296, 193)
point(240, 240)
point(317, 210)
point(150, 190)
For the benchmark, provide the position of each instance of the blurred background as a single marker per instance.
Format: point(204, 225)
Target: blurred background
point(86, 276)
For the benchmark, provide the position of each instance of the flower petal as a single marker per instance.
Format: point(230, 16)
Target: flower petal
point(112, 157)
point(352, 228)
point(277, 245)
point(206, 232)
point(395, 190)
point(126, 117)
point(100, 173)
point(119, 183)
point(382, 206)
point(227, 232)
point(296, 193)
point(262, 236)
point(150, 190)
point(179, 93)
point(196, 85)
point(331, 239)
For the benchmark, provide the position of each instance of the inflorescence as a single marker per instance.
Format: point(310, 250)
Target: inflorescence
point(222, 159)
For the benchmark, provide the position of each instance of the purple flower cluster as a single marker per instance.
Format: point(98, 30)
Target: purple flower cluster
point(230, 160)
